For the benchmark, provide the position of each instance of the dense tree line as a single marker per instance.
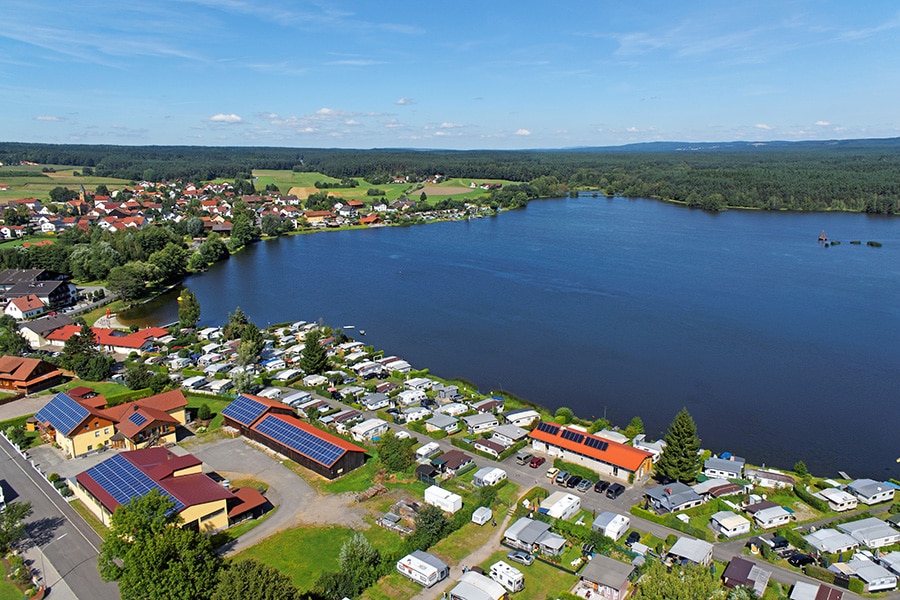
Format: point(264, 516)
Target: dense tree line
point(853, 175)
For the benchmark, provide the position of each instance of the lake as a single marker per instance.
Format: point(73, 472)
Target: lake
point(782, 349)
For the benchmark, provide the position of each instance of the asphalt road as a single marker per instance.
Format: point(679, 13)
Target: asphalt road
point(58, 535)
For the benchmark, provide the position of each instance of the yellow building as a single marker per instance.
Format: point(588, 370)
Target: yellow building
point(201, 503)
point(78, 422)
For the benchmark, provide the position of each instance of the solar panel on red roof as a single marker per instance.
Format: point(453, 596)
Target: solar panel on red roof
point(244, 410)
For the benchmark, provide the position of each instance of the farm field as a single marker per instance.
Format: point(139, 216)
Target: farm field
point(38, 184)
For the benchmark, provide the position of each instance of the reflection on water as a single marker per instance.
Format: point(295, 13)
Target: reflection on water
point(161, 310)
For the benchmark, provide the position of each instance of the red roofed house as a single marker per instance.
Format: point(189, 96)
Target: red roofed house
point(24, 307)
point(201, 503)
point(111, 340)
point(149, 421)
point(602, 455)
point(27, 375)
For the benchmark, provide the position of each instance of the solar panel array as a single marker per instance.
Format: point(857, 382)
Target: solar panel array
point(244, 410)
point(124, 481)
point(596, 443)
point(548, 428)
point(137, 418)
point(302, 441)
point(572, 436)
point(63, 413)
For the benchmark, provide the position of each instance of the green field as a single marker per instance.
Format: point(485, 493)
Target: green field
point(38, 184)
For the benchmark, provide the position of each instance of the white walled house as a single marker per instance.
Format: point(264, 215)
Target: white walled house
point(838, 500)
point(729, 524)
point(423, 568)
point(869, 491)
point(444, 500)
point(611, 525)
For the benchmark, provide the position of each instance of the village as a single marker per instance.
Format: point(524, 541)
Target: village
point(539, 503)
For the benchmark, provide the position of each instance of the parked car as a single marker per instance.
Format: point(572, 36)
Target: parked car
point(573, 481)
point(537, 461)
point(632, 539)
point(615, 490)
point(800, 560)
point(524, 457)
point(520, 557)
point(552, 472)
point(562, 477)
point(601, 486)
point(584, 485)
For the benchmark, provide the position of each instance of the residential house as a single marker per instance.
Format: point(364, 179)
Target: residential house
point(445, 500)
point(768, 515)
point(201, 503)
point(452, 461)
point(488, 447)
point(871, 532)
point(611, 525)
point(729, 524)
point(741, 572)
point(489, 405)
point(769, 479)
point(874, 577)
point(810, 591)
point(533, 536)
point(831, 541)
point(442, 422)
point(724, 468)
point(475, 586)
point(672, 497)
point(608, 579)
point(522, 417)
point(560, 505)
point(375, 401)
point(411, 414)
point(411, 397)
point(507, 435)
point(655, 448)
point(891, 562)
point(838, 500)
point(687, 550)
point(574, 445)
point(112, 341)
point(488, 476)
point(27, 375)
point(480, 422)
point(417, 383)
point(24, 307)
point(870, 492)
point(369, 429)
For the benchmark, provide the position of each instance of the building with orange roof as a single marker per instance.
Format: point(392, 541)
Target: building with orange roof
point(606, 457)
point(24, 307)
point(111, 340)
point(27, 375)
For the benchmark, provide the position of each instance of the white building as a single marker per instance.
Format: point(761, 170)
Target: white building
point(423, 567)
point(369, 429)
point(475, 586)
point(427, 451)
point(769, 518)
point(831, 541)
point(871, 532)
point(611, 525)
point(482, 515)
point(560, 505)
point(488, 476)
point(869, 491)
point(694, 551)
point(838, 500)
point(444, 500)
point(729, 524)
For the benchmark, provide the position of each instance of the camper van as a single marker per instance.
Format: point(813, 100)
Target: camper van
point(507, 576)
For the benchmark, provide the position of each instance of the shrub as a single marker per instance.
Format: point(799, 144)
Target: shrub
point(816, 503)
point(856, 586)
point(819, 573)
point(671, 539)
point(66, 492)
point(53, 477)
point(204, 413)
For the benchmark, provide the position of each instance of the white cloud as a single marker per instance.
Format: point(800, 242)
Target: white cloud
point(352, 122)
point(764, 126)
point(823, 123)
point(522, 132)
point(223, 118)
point(50, 118)
point(404, 101)
point(448, 125)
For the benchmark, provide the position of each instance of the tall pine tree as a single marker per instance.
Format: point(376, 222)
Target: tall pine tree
point(314, 358)
point(680, 460)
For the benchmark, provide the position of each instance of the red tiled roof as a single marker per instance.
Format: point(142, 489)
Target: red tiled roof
point(322, 435)
point(27, 303)
point(249, 498)
point(615, 454)
point(110, 337)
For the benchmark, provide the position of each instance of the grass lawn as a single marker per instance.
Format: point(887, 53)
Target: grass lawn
point(215, 405)
point(392, 587)
point(113, 307)
point(89, 517)
point(104, 388)
point(8, 590)
point(34, 437)
point(304, 553)
point(541, 580)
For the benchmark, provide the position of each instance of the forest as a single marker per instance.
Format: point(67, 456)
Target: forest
point(851, 175)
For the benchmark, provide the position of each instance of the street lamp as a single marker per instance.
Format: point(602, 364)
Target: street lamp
point(41, 550)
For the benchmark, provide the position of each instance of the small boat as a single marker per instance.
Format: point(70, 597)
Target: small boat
point(349, 327)
point(822, 237)
point(362, 332)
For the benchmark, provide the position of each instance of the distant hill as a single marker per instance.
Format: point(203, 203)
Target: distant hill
point(740, 146)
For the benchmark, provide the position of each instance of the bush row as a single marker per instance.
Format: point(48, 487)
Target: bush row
point(816, 503)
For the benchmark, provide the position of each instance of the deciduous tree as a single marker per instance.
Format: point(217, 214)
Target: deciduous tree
point(151, 556)
point(12, 523)
point(188, 308)
point(250, 578)
point(688, 582)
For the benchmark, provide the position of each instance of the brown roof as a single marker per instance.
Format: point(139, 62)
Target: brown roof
point(249, 498)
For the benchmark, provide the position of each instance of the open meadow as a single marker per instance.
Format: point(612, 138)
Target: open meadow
point(30, 182)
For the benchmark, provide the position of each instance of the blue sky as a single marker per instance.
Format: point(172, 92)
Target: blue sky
point(520, 74)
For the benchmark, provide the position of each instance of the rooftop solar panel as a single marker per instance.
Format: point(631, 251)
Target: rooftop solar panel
point(137, 418)
point(548, 428)
point(305, 443)
point(596, 443)
point(244, 410)
point(124, 481)
point(63, 413)
point(573, 436)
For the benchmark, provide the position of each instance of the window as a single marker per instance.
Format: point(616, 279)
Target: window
point(89, 448)
point(96, 434)
point(106, 431)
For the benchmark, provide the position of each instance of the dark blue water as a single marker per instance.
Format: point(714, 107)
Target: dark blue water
point(780, 348)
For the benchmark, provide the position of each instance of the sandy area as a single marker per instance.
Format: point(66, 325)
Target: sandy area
point(302, 192)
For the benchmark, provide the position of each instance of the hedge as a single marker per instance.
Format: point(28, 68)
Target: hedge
point(573, 469)
point(512, 449)
point(116, 399)
point(460, 443)
point(819, 573)
point(817, 503)
point(794, 538)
